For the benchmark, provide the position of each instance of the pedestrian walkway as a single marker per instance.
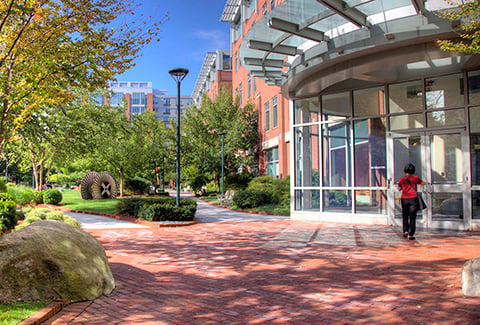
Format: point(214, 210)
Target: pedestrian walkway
point(232, 271)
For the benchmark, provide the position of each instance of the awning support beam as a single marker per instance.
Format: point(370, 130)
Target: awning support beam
point(351, 14)
point(419, 6)
point(266, 63)
point(268, 47)
point(292, 28)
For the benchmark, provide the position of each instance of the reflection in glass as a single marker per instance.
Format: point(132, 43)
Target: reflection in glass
point(307, 160)
point(369, 102)
point(447, 206)
point(474, 87)
point(371, 202)
point(336, 154)
point(476, 205)
point(337, 201)
point(445, 118)
point(306, 110)
point(406, 97)
point(407, 150)
point(402, 122)
point(307, 200)
point(475, 119)
point(336, 106)
point(475, 157)
point(446, 159)
point(444, 91)
point(370, 152)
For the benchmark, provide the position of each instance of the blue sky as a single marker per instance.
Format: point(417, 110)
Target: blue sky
point(193, 30)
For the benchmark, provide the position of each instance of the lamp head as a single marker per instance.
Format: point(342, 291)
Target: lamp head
point(178, 74)
point(222, 133)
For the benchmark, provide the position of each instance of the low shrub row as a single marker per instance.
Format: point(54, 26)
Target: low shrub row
point(264, 190)
point(158, 208)
point(37, 214)
point(8, 213)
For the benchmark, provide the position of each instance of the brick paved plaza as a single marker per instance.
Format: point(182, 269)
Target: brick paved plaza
point(281, 272)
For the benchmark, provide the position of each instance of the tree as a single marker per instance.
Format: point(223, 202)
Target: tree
point(202, 143)
point(469, 38)
point(51, 48)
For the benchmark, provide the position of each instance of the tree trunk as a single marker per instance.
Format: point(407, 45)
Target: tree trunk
point(120, 171)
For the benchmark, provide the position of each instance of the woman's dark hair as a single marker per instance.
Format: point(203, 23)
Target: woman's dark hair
point(409, 169)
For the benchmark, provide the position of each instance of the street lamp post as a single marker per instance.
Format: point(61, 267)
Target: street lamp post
point(223, 136)
point(178, 74)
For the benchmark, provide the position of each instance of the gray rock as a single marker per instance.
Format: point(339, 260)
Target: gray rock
point(51, 259)
point(471, 278)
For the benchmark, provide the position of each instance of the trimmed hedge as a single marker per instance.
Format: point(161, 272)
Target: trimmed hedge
point(8, 212)
point(137, 185)
point(158, 208)
point(252, 198)
point(37, 197)
point(37, 214)
point(52, 196)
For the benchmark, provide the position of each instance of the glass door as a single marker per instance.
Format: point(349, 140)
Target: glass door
point(441, 161)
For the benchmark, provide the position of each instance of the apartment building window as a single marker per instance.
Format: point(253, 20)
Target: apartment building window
point(227, 62)
point(272, 162)
point(254, 84)
point(236, 62)
point(272, 5)
point(267, 116)
point(166, 111)
point(98, 99)
point(116, 99)
point(240, 93)
point(166, 102)
point(138, 103)
point(264, 10)
point(236, 93)
point(274, 112)
point(249, 85)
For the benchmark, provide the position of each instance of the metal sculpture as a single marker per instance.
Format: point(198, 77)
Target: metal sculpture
point(102, 185)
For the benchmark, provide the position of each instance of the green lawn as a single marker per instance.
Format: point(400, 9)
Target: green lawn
point(15, 312)
point(73, 200)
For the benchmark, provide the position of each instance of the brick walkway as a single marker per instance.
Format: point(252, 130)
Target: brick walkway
point(281, 272)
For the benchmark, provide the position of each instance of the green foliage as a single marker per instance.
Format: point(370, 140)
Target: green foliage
point(469, 14)
point(337, 199)
point(8, 213)
point(72, 200)
point(3, 186)
point(279, 188)
point(12, 313)
point(137, 185)
point(159, 208)
point(196, 178)
point(21, 194)
point(252, 198)
point(36, 214)
point(37, 197)
point(52, 196)
point(239, 181)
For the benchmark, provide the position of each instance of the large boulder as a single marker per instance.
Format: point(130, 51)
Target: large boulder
point(52, 259)
point(471, 278)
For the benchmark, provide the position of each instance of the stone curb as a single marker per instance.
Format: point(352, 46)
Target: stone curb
point(44, 314)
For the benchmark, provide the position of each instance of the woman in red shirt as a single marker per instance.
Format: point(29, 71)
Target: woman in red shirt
point(409, 200)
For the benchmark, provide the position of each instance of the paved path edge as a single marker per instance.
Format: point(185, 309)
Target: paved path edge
point(45, 313)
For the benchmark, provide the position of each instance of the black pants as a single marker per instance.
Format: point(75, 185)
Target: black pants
point(410, 207)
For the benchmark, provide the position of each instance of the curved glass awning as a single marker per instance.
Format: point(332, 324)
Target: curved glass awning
point(285, 36)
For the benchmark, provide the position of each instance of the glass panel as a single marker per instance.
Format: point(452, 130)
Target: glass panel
point(476, 205)
point(407, 150)
point(336, 154)
point(369, 102)
point(406, 97)
point(307, 160)
point(402, 122)
point(444, 91)
point(306, 111)
point(307, 200)
point(446, 159)
point(475, 119)
point(337, 201)
point(474, 87)
point(447, 206)
point(336, 106)
point(398, 205)
point(443, 118)
point(372, 202)
point(475, 157)
point(370, 152)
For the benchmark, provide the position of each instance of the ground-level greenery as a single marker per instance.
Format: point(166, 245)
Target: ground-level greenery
point(14, 312)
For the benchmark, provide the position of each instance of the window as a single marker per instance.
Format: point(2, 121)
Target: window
point(272, 162)
point(166, 102)
point(267, 117)
point(236, 62)
point(166, 111)
point(254, 84)
point(249, 85)
point(116, 99)
point(274, 112)
point(138, 103)
point(227, 62)
point(264, 9)
point(240, 93)
point(272, 5)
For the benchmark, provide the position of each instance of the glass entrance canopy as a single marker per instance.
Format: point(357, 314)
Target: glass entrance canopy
point(299, 33)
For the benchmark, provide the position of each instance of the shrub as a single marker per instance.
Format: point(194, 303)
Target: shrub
point(137, 185)
point(3, 186)
point(8, 213)
point(279, 188)
point(21, 194)
point(159, 208)
point(239, 181)
point(252, 198)
point(37, 214)
point(52, 196)
point(37, 197)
